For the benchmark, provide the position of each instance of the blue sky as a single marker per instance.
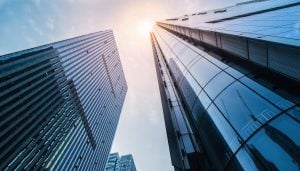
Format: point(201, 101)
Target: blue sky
point(141, 131)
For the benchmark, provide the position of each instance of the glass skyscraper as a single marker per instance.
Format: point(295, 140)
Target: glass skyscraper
point(117, 163)
point(60, 104)
point(229, 83)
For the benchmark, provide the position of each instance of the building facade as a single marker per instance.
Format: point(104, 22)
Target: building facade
point(117, 163)
point(60, 104)
point(229, 83)
point(112, 161)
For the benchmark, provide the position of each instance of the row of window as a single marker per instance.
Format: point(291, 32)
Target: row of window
point(228, 108)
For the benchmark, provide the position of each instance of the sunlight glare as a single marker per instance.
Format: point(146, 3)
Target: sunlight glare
point(144, 28)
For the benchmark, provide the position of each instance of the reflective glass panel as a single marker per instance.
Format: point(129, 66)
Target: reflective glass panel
point(203, 71)
point(234, 73)
point(277, 146)
point(195, 86)
point(190, 89)
point(244, 108)
point(204, 99)
point(268, 94)
point(243, 161)
point(295, 112)
point(187, 56)
point(180, 120)
point(224, 128)
point(217, 84)
point(178, 47)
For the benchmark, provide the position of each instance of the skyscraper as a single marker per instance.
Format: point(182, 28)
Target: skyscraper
point(126, 163)
point(112, 161)
point(60, 104)
point(117, 163)
point(229, 82)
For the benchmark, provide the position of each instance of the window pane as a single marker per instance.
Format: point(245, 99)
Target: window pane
point(190, 89)
point(187, 56)
point(234, 73)
point(268, 94)
point(178, 47)
point(243, 108)
point(224, 128)
point(281, 139)
point(243, 161)
point(204, 99)
point(203, 71)
point(217, 84)
point(295, 112)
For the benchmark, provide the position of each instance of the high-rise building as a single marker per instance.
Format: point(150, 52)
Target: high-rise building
point(126, 163)
point(229, 83)
point(112, 161)
point(60, 104)
point(117, 163)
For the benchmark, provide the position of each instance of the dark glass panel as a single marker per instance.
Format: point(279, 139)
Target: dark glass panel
point(217, 84)
point(295, 112)
point(244, 109)
point(266, 93)
point(275, 147)
point(217, 136)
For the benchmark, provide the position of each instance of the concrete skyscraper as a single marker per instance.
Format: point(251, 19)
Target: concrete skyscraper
point(60, 104)
point(229, 83)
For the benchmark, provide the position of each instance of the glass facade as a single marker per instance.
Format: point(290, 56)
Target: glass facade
point(263, 32)
point(60, 104)
point(117, 163)
point(238, 122)
point(112, 162)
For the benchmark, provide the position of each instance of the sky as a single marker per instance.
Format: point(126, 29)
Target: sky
point(141, 130)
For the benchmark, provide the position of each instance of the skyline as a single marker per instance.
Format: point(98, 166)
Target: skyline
point(41, 22)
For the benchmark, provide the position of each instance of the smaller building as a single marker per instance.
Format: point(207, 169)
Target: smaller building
point(117, 163)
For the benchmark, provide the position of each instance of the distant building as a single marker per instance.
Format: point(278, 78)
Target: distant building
point(123, 163)
point(60, 104)
point(112, 162)
point(229, 81)
point(126, 163)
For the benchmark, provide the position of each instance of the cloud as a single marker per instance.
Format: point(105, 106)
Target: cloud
point(50, 23)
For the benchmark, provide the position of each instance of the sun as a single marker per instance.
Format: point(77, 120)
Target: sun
point(144, 27)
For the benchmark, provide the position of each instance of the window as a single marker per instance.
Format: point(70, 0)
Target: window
point(281, 139)
point(268, 94)
point(217, 84)
point(244, 109)
point(203, 71)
